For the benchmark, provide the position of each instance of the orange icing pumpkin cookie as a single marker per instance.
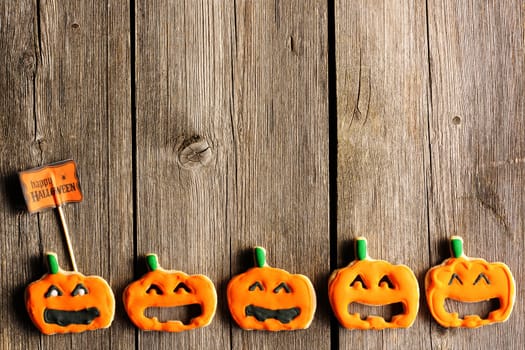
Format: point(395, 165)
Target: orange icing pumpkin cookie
point(468, 280)
point(267, 298)
point(373, 282)
point(69, 302)
point(161, 288)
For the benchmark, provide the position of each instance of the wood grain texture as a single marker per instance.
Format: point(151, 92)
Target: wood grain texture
point(250, 80)
point(477, 129)
point(382, 107)
point(184, 96)
point(69, 97)
point(280, 127)
point(229, 134)
point(20, 242)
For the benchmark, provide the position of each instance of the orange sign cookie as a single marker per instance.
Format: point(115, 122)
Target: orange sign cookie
point(69, 302)
point(50, 186)
point(373, 282)
point(161, 288)
point(468, 280)
point(267, 298)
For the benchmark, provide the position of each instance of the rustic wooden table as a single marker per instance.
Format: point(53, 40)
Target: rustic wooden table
point(203, 128)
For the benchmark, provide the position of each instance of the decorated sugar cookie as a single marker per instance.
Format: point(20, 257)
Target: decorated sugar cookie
point(373, 282)
point(169, 289)
point(69, 302)
point(267, 298)
point(468, 280)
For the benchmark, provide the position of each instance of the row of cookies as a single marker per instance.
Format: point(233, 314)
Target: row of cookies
point(266, 298)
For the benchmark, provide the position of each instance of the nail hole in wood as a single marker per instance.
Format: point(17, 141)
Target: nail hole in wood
point(75, 25)
point(456, 120)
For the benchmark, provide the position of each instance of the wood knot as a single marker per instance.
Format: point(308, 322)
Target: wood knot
point(194, 153)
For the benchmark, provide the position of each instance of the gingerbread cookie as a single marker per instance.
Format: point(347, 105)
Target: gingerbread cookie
point(468, 280)
point(267, 298)
point(168, 289)
point(373, 282)
point(69, 302)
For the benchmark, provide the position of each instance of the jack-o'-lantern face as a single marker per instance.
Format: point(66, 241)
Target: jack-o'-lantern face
point(373, 282)
point(469, 280)
point(161, 288)
point(266, 298)
point(69, 302)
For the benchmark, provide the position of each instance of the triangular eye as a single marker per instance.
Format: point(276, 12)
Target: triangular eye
point(480, 277)
point(358, 279)
point(255, 286)
point(53, 292)
point(79, 290)
point(284, 286)
point(154, 289)
point(386, 280)
point(455, 277)
point(182, 286)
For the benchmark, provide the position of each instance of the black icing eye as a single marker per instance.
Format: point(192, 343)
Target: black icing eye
point(386, 280)
point(455, 277)
point(154, 289)
point(284, 286)
point(53, 292)
point(79, 290)
point(182, 286)
point(255, 286)
point(480, 277)
point(359, 279)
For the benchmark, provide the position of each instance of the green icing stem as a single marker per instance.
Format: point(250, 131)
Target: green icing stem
point(456, 246)
point(360, 248)
point(52, 263)
point(152, 261)
point(260, 256)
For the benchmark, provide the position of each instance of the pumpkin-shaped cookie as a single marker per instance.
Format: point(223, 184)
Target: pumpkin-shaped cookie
point(161, 288)
point(267, 298)
point(69, 302)
point(468, 280)
point(373, 282)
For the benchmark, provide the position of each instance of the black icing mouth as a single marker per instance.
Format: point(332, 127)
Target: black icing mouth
point(262, 314)
point(65, 318)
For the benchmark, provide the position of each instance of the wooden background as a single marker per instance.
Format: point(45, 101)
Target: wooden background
point(202, 128)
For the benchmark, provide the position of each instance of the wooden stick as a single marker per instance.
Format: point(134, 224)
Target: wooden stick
point(68, 240)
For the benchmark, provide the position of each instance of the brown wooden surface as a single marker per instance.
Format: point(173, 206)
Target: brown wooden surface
point(201, 128)
point(382, 105)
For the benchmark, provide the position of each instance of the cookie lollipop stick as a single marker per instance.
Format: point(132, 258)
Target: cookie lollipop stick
point(65, 230)
point(52, 186)
point(63, 301)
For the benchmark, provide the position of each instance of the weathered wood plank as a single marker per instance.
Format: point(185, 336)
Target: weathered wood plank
point(184, 91)
point(280, 127)
point(251, 81)
point(476, 131)
point(382, 107)
point(20, 238)
point(73, 79)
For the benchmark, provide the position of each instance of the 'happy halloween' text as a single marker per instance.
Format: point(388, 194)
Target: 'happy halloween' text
point(50, 192)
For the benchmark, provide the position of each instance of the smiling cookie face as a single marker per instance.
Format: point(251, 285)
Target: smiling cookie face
point(266, 298)
point(469, 280)
point(161, 288)
point(377, 283)
point(69, 302)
